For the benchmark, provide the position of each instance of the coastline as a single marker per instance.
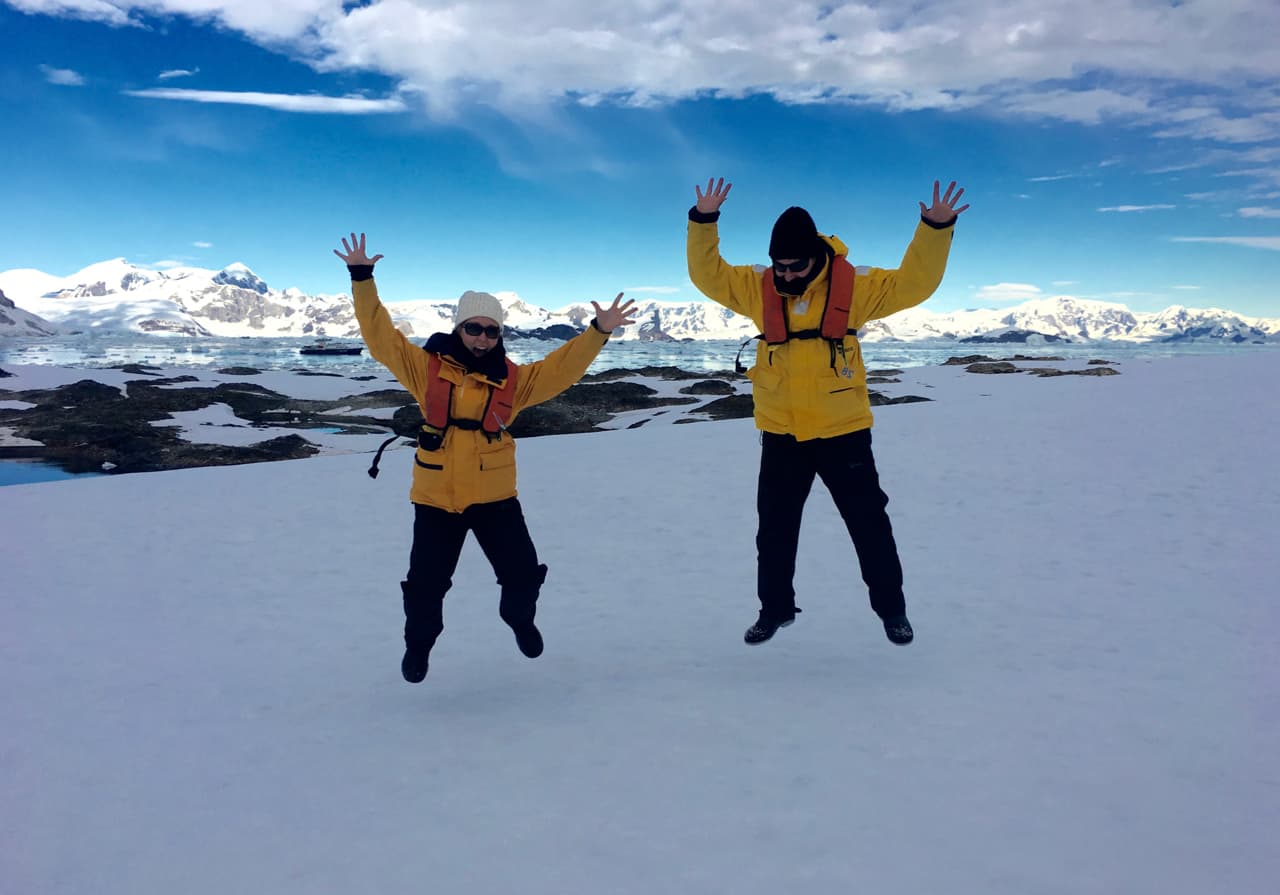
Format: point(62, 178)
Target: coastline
point(140, 418)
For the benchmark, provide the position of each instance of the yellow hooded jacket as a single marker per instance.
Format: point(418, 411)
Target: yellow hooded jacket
point(468, 468)
point(796, 389)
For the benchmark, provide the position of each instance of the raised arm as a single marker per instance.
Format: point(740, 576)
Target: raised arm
point(387, 345)
point(885, 292)
point(735, 287)
point(543, 380)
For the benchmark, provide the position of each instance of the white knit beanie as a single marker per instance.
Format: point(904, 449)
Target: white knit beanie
point(477, 304)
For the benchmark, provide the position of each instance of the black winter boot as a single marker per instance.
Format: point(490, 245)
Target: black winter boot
point(766, 626)
point(414, 666)
point(517, 608)
point(898, 630)
point(529, 639)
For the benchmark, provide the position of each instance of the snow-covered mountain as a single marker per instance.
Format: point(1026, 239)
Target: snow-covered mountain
point(234, 301)
point(17, 322)
point(1076, 320)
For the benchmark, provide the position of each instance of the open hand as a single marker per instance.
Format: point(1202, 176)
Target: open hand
point(610, 318)
point(943, 211)
point(355, 255)
point(710, 201)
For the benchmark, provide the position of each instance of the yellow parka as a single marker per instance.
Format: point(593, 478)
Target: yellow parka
point(469, 467)
point(796, 388)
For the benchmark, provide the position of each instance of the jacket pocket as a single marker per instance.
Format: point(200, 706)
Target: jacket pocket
point(497, 479)
point(496, 460)
point(433, 460)
point(764, 378)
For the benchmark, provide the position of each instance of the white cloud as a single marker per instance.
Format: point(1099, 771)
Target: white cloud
point(176, 73)
point(285, 102)
point(1050, 178)
point(1254, 242)
point(1021, 57)
point(93, 10)
point(1186, 287)
point(1064, 283)
point(1082, 106)
point(201, 244)
point(1259, 212)
point(1130, 208)
point(63, 77)
point(165, 264)
point(1009, 292)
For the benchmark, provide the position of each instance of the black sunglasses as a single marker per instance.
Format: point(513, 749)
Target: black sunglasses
point(475, 329)
point(791, 266)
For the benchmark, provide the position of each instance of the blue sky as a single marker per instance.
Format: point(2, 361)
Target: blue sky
point(1123, 150)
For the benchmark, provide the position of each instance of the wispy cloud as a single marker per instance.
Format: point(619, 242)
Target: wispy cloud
point(1130, 208)
point(1064, 282)
point(63, 77)
point(176, 73)
point(1186, 287)
point(201, 244)
point(1259, 212)
point(92, 10)
point(284, 102)
point(1049, 178)
point(1253, 242)
point(1009, 292)
point(1184, 70)
point(1163, 65)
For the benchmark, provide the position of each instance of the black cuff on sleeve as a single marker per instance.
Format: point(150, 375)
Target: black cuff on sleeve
point(950, 223)
point(699, 217)
point(360, 272)
point(595, 324)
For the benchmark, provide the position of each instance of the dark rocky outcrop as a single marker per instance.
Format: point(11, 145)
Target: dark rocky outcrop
point(733, 407)
point(1088, 371)
point(982, 358)
point(1006, 367)
point(667, 373)
point(582, 408)
point(879, 400)
point(708, 387)
point(86, 426)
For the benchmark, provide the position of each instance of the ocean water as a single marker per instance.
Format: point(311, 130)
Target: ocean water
point(108, 350)
point(26, 472)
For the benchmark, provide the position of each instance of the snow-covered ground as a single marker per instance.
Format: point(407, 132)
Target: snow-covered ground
point(202, 691)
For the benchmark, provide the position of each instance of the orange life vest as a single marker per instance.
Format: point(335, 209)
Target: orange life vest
point(440, 399)
point(835, 317)
point(497, 411)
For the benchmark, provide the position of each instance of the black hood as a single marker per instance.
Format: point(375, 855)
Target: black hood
point(493, 365)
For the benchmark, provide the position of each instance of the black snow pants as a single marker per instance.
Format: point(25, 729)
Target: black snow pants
point(438, 536)
point(848, 469)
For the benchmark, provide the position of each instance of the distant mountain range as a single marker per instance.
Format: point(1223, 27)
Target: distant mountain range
point(118, 296)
